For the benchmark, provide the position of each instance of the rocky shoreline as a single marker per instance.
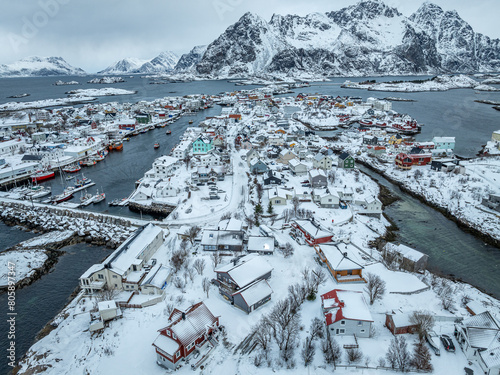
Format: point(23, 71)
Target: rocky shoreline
point(160, 211)
point(465, 226)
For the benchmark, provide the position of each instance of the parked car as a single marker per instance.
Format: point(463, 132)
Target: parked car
point(447, 343)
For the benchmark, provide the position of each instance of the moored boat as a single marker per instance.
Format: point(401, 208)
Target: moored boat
point(116, 145)
point(42, 176)
point(73, 168)
point(84, 181)
point(191, 121)
point(64, 196)
point(38, 191)
point(169, 132)
point(156, 146)
point(86, 199)
point(99, 197)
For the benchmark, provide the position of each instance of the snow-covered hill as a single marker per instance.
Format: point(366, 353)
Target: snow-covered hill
point(188, 61)
point(363, 39)
point(39, 66)
point(164, 62)
point(127, 65)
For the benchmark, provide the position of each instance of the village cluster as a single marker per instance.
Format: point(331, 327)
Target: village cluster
point(268, 259)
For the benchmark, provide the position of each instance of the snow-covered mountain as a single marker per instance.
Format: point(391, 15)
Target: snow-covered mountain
point(39, 66)
point(363, 39)
point(188, 61)
point(164, 62)
point(127, 65)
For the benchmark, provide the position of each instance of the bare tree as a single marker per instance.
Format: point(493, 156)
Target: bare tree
point(205, 283)
point(192, 233)
point(312, 280)
point(447, 298)
point(191, 273)
point(285, 323)
point(421, 359)
point(199, 265)
point(179, 257)
point(262, 334)
point(375, 287)
point(107, 294)
point(297, 294)
point(308, 350)
point(397, 354)
point(331, 176)
point(179, 284)
point(423, 320)
point(260, 190)
point(354, 355)
point(286, 250)
point(317, 329)
point(331, 351)
point(295, 204)
point(216, 259)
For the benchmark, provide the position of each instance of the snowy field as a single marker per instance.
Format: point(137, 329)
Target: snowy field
point(25, 262)
point(48, 238)
point(108, 91)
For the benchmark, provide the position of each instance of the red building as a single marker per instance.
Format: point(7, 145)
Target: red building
point(187, 331)
point(311, 232)
point(399, 323)
point(417, 156)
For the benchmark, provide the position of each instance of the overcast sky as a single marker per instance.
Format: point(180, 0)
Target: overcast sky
point(92, 34)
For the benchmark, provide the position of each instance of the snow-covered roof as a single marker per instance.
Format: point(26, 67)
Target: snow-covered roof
point(256, 243)
point(315, 231)
point(401, 319)
point(106, 305)
point(444, 139)
point(255, 292)
point(165, 161)
point(482, 330)
point(158, 276)
point(405, 251)
point(92, 269)
point(248, 269)
point(341, 259)
point(128, 252)
point(166, 344)
point(295, 162)
point(345, 304)
point(491, 357)
point(317, 172)
point(195, 322)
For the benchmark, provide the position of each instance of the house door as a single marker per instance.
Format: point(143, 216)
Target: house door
point(251, 308)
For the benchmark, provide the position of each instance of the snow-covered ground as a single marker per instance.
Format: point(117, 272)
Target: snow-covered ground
point(439, 83)
point(23, 262)
point(108, 91)
point(17, 106)
point(47, 239)
point(125, 346)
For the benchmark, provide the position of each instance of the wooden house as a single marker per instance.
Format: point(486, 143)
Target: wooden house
point(346, 313)
point(238, 282)
point(342, 262)
point(311, 232)
point(399, 323)
point(188, 330)
point(346, 161)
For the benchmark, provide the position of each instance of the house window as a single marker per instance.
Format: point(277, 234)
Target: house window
point(168, 333)
point(360, 323)
point(341, 331)
point(342, 322)
point(100, 276)
point(114, 276)
point(362, 331)
point(174, 336)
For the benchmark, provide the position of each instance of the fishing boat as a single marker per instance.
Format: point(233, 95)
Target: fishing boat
point(156, 146)
point(42, 176)
point(191, 121)
point(86, 199)
point(99, 197)
point(87, 162)
point(64, 196)
point(37, 192)
point(114, 202)
point(84, 181)
point(169, 132)
point(116, 145)
point(70, 178)
point(73, 168)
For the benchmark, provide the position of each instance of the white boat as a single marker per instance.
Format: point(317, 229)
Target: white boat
point(86, 199)
point(99, 197)
point(38, 191)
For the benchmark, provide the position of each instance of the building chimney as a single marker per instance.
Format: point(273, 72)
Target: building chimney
point(183, 316)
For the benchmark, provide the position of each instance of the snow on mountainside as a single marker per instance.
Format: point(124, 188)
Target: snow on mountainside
point(127, 65)
point(188, 61)
point(363, 39)
point(162, 63)
point(39, 66)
